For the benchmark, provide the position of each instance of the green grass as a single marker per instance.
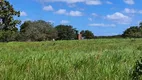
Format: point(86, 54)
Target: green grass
point(100, 59)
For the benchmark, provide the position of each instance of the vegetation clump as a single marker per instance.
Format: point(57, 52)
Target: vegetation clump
point(137, 70)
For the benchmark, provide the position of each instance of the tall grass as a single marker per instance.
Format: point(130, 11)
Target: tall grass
point(100, 59)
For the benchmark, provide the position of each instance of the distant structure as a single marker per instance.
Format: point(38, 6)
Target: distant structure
point(79, 36)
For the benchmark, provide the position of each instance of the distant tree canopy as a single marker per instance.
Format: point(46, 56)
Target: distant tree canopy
point(133, 32)
point(66, 32)
point(37, 31)
point(33, 30)
point(87, 34)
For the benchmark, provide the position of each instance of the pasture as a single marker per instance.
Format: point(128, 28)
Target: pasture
point(99, 59)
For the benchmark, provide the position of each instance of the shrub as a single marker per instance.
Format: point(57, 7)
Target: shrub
point(137, 70)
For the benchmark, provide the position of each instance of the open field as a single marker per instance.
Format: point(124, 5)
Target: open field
point(100, 59)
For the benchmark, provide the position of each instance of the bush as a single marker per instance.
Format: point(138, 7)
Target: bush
point(6, 36)
point(137, 70)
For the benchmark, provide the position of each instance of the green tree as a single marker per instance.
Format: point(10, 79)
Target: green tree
point(8, 29)
point(7, 13)
point(37, 31)
point(6, 36)
point(66, 32)
point(87, 34)
point(140, 24)
point(133, 32)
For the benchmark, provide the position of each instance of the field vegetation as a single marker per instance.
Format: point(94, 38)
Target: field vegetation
point(100, 59)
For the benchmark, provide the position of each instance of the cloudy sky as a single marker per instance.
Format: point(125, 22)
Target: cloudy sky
point(102, 17)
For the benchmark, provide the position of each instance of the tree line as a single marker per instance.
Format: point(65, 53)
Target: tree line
point(133, 32)
point(33, 30)
point(42, 31)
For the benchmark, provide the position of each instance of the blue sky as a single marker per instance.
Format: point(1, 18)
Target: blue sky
point(102, 17)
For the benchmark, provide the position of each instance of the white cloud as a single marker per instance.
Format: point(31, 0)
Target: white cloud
point(67, 1)
point(130, 2)
point(102, 25)
point(127, 10)
point(88, 2)
point(71, 13)
point(93, 2)
point(48, 8)
point(61, 11)
point(64, 22)
point(94, 14)
point(119, 18)
point(133, 11)
point(23, 13)
point(75, 13)
point(108, 2)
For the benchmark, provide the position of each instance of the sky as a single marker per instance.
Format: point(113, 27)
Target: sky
point(102, 17)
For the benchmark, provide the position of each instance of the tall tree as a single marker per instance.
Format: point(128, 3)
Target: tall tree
point(7, 13)
point(37, 31)
point(8, 30)
point(66, 32)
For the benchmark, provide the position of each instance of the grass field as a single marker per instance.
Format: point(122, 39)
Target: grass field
point(100, 59)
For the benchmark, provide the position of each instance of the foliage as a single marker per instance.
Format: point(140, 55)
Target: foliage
point(7, 13)
point(37, 31)
point(133, 31)
point(66, 32)
point(140, 24)
point(8, 29)
point(108, 37)
point(137, 70)
point(87, 34)
point(6, 36)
